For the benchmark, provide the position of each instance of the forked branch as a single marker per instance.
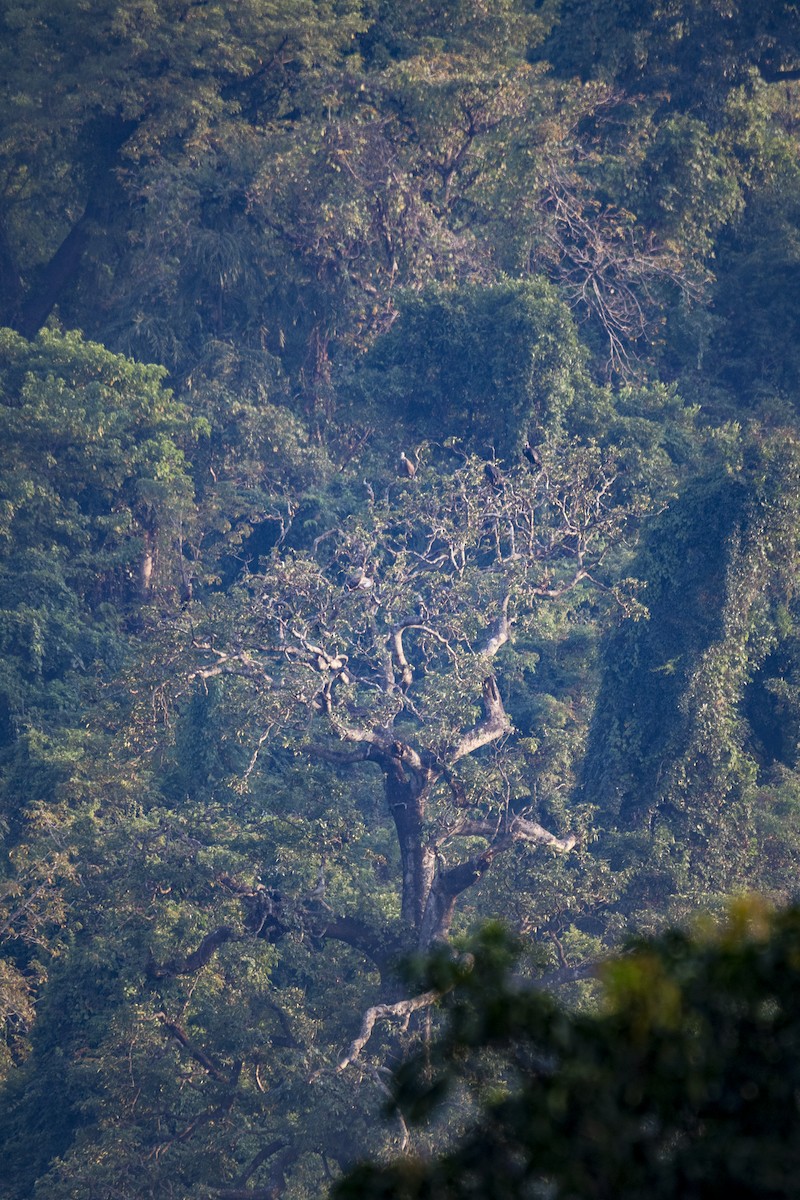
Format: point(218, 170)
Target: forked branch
point(402, 1010)
point(495, 724)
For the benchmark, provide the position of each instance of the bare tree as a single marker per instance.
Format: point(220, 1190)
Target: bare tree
point(611, 271)
point(379, 648)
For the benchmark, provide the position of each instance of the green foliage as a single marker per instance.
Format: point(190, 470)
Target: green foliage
point(665, 48)
point(757, 302)
point(93, 482)
point(676, 750)
point(252, 826)
point(489, 365)
point(683, 1083)
point(687, 186)
point(719, 568)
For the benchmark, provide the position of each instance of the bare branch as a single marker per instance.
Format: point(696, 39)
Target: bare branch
point(254, 756)
point(530, 831)
point(495, 724)
point(20, 911)
point(555, 593)
point(500, 633)
point(239, 663)
point(608, 267)
point(402, 1010)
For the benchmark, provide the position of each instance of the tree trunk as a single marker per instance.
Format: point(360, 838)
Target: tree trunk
point(27, 311)
point(437, 916)
point(406, 793)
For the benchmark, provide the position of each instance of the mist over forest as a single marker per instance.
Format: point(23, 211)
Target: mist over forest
point(399, 533)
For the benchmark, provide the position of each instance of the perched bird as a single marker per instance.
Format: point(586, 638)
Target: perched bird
point(493, 476)
point(407, 468)
point(532, 454)
point(360, 582)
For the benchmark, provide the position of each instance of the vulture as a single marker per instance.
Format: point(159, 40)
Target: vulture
point(533, 456)
point(360, 582)
point(407, 468)
point(493, 476)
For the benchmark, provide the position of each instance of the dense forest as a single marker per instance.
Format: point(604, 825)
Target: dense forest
point(399, 530)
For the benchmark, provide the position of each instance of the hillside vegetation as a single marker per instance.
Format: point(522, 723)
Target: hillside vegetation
point(399, 517)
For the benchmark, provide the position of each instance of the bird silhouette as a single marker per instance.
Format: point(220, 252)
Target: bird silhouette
point(532, 454)
point(493, 476)
point(407, 468)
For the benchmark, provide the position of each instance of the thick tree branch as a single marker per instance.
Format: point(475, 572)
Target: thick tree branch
point(266, 912)
point(108, 136)
point(406, 671)
point(181, 1036)
point(778, 74)
point(283, 1157)
point(522, 829)
point(500, 632)
point(562, 975)
point(379, 945)
point(53, 280)
point(447, 885)
point(238, 1188)
point(495, 724)
point(402, 1010)
point(196, 960)
point(519, 829)
point(356, 733)
point(462, 876)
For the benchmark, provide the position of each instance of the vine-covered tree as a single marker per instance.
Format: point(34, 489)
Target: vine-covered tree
point(96, 504)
